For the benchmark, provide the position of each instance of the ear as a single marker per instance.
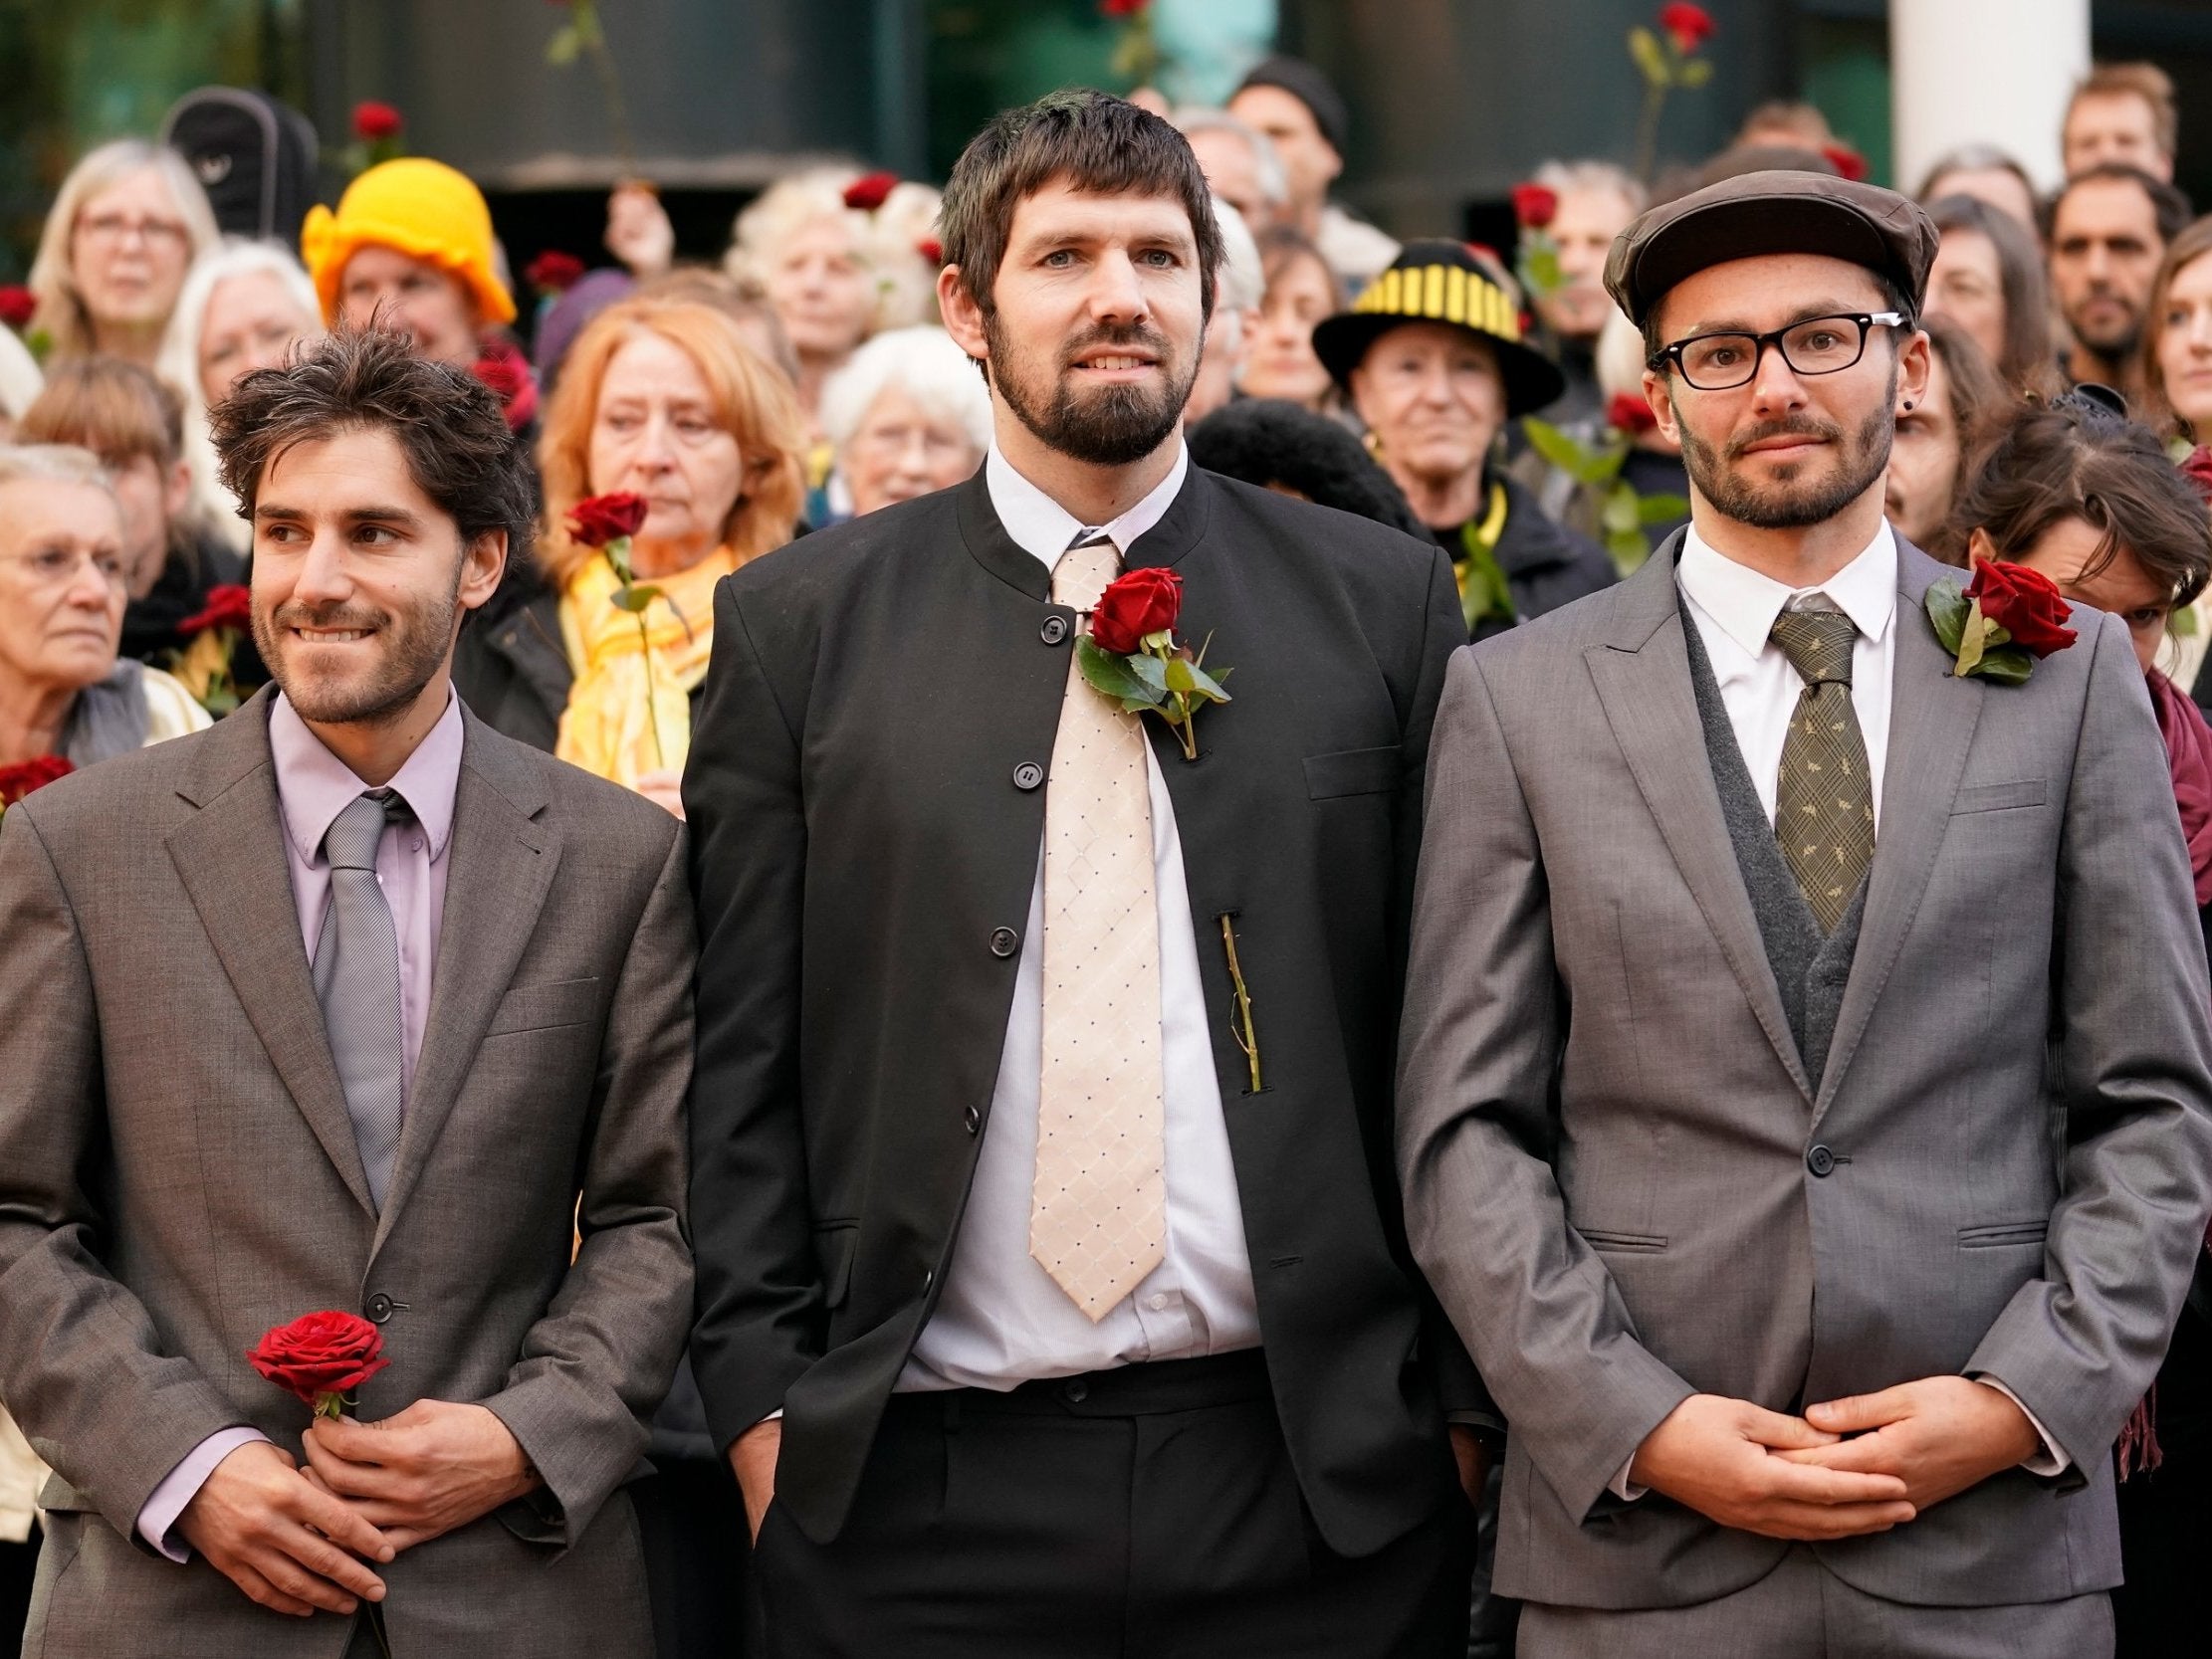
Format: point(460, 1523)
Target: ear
point(1979, 547)
point(482, 564)
point(176, 489)
point(1659, 392)
point(1914, 369)
point(961, 316)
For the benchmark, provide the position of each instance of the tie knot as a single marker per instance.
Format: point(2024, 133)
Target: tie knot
point(350, 841)
point(1090, 562)
point(1817, 644)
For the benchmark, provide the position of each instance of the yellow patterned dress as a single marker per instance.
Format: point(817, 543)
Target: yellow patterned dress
point(612, 726)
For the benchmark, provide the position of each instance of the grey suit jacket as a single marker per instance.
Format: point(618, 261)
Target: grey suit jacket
point(1610, 1146)
point(178, 1175)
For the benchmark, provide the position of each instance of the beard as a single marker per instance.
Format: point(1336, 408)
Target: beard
point(413, 644)
point(1793, 501)
point(1111, 426)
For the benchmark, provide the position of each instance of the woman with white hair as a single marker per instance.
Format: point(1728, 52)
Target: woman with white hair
point(126, 224)
point(906, 416)
point(244, 306)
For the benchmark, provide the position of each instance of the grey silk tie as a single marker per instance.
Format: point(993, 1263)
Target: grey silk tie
point(356, 979)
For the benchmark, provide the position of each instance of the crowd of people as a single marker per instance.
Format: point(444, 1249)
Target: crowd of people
point(217, 471)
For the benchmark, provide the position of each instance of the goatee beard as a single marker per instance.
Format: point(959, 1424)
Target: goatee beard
point(1112, 427)
point(1791, 505)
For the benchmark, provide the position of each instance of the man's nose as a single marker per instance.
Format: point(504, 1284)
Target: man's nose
point(1115, 293)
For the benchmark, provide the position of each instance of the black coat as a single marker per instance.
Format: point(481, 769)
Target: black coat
point(509, 664)
point(1546, 565)
point(863, 850)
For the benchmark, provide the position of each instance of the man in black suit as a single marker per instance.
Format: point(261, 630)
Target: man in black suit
point(1055, 1292)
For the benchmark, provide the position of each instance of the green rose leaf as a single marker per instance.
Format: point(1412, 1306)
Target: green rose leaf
point(1628, 549)
point(1973, 639)
point(1946, 608)
point(1111, 675)
point(1150, 671)
point(636, 599)
point(1644, 47)
point(2008, 665)
point(1661, 508)
point(563, 47)
point(1697, 72)
point(1618, 513)
point(1190, 680)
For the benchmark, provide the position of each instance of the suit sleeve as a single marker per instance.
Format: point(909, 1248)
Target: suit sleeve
point(2132, 1032)
point(80, 1362)
point(596, 1366)
point(1483, 1032)
point(761, 1315)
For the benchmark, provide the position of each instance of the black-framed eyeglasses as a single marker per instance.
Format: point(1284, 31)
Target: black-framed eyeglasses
point(1817, 346)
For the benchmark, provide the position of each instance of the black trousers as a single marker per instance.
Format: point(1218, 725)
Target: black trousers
point(691, 1521)
point(18, 1565)
point(2166, 1542)
point(1147, 1512)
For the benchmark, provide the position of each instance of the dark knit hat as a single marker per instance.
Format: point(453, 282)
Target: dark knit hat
point(1310, 88)
point(1441, 281)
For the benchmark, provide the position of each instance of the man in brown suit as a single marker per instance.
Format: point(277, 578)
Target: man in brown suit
point(348, 1003)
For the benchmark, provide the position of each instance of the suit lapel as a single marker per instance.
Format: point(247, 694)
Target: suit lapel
point(1933, 717)
point(231, 857)
point(501, 864)
point(1643, 681)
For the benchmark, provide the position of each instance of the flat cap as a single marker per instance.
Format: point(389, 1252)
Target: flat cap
point(1771, 213)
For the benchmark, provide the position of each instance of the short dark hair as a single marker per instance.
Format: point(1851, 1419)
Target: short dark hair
point(460, 451)
point(2019, 272)
point(2167, 205)
point(2075, 459)
point(1091, 140)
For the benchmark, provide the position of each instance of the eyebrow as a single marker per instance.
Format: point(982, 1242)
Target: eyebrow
point(396, 515)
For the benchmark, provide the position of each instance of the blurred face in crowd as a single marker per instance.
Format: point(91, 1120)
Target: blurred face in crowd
point(359, 579)
point(902, 448)
point(1310, 162)
point(421, 299)
point(1232, 174)
point(251, 322)
point(151, 494)
point(822, 288)
point(2000, 187)
point(1279, 360)
point(61, 585)
point(1433, 398)
point(129, 252)
point(1924, 460)
point(655, 434)
point(2185, 345)
point(1227, 337)
point(2114, 126)
point(2104, 253)
point(2067, 553)
point(1967, 284)
point(1584, 227)
point(1097, 321)
point(1785, 450)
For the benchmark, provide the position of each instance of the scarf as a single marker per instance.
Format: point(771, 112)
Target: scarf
point(610, 727)
point(108, 719)
point(2190, 756)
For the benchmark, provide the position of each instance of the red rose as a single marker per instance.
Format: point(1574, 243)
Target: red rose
point(930, 248)
point(1845, 161)
point(1138, 603)
point(20, 779)
point(866, 193)
point(1121, 8)
point(230, 605)
point(1535, 205)
point(17, 306)
point(2197, 467)
point(602, 519)
point(1692, 26)
point(553, 271)
point(2026, 603)
point(319, 1354)
point(1630, 413)
point(374, 120)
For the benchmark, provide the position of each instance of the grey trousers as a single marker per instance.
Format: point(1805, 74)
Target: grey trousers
point(1800, 1610)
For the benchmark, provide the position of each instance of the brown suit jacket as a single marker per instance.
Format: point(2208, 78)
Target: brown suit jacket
point(178, 1174)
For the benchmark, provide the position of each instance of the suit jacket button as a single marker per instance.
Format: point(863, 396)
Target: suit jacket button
point(1028, 775)
point(1075, 1390)
point(378, 1308)
point(1819, 1160)
point(972, 1118)
point(1052, 630)
point(1004, 941)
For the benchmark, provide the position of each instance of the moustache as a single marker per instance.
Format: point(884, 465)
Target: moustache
point(325, 616)
point(1139, 334)
point(1802, 427)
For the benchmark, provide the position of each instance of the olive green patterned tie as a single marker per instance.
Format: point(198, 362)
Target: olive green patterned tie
point(1824, 801)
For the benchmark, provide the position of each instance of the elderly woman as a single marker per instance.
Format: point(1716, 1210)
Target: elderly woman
point(63, 689)
point(907, 415)
point(126, 224)
point(1433, 358)
point(1298, 290)
point(245, 304)
point(1988, 278)
point(2090, 499)
point(1941, 438)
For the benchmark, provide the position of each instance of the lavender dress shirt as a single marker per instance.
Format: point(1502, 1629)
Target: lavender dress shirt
point(312, 787)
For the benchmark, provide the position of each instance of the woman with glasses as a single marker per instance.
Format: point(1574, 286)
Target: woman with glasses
point(127, 225)
point(907, 415)
point(63, 689)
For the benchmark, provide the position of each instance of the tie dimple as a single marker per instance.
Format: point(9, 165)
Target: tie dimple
point(1817, 644)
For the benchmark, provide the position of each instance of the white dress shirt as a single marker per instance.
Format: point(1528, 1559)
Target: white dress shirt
point(1735, 609)
point(1000, 1320)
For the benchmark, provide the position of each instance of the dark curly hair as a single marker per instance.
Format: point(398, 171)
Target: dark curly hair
point(1278, 445)
point(448, 423)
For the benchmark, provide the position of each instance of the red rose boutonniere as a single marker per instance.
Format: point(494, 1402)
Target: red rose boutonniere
point(321, 1359)
point(1131, 654)
point(2006, 618)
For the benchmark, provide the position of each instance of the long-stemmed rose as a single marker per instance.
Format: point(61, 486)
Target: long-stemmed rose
point(214, 629)
point(321, 1358)
point(607, 523)
point(1665, 65)
point(1131, 653)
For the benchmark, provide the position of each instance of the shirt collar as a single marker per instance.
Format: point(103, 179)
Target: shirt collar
point(1041, 527)
point(314, 785)
point(1744, 602)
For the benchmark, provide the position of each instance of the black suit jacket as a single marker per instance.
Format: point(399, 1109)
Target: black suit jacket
point(860, 846)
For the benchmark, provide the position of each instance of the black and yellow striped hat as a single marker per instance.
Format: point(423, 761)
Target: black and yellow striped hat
point(1441, 281)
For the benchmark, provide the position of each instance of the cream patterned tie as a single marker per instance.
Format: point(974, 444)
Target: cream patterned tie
point(1098, 1207)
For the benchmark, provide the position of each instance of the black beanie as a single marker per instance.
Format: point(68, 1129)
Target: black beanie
point(1310, 88)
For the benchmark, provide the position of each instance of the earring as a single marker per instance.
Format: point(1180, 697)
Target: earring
point(1909, 406)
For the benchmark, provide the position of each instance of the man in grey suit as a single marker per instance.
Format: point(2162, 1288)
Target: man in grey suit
point(348, 1003)
point(1816, 1206)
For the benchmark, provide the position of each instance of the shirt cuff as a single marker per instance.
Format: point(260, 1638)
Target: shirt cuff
point(2051, 1460)
point(182, 1484)
point(1627, 1490)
